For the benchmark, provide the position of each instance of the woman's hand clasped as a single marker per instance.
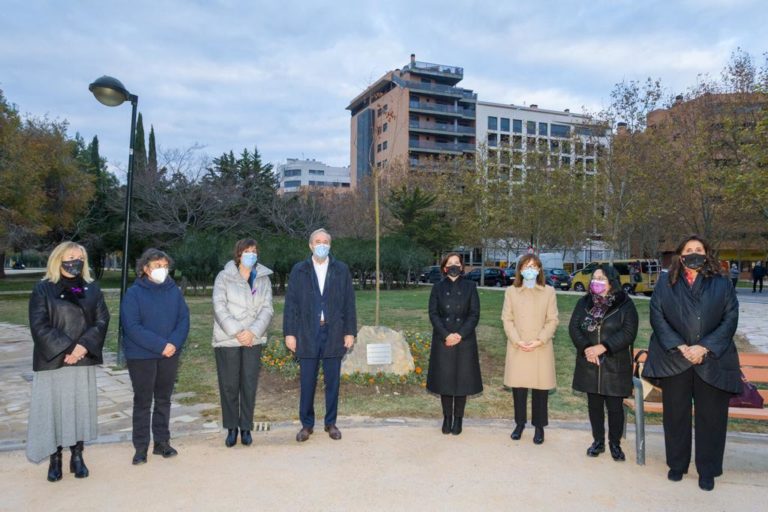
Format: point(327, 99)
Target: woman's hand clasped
point(452, 339)
point(245, 337)
point(529, 346)
point(594, 352)
point(695, 354)
point(76, 355)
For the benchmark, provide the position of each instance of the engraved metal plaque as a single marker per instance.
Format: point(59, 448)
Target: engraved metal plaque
point(379, 353)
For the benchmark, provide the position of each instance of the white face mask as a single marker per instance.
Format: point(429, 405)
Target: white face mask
point(159, 275)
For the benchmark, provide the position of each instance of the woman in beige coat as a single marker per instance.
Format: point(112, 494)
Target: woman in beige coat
point(530, 319)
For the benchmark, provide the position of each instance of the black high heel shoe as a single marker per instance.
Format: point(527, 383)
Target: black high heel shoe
point(76, 463)
point(245, 437)
point(447, 424)
point(231, 439)
point(54, 468)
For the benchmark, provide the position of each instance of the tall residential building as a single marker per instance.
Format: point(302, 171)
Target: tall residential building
point(411, 115)
point(295, 174)
point(510, 133)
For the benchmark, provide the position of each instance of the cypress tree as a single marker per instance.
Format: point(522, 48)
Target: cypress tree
point(152, 162)
point(140, 149)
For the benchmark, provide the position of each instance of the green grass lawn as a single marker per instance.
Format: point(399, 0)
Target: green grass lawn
point(402, 310)
point(25, 282)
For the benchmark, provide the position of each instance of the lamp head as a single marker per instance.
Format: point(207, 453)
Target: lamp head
point(109, 91)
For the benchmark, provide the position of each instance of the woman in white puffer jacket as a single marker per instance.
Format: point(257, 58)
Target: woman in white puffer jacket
point(242, 311)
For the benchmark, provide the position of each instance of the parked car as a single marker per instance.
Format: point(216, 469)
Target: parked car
point(636, 275)
point(510, 273)
point(557, 278)
point(19, 265)
point(431, 274)
point(494, 276)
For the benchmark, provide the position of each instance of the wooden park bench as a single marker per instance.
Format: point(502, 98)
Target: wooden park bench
point(755, 369)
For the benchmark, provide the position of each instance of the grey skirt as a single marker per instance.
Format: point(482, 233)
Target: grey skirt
point(62, 410)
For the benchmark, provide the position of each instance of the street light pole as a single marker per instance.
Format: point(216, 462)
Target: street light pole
point(111, 92)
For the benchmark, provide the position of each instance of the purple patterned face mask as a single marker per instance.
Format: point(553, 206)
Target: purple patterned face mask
point(598, 287)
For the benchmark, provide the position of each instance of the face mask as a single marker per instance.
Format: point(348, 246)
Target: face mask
point(598, 287)
point(159, 275)
point(248, 259)
point(529, 274)
point(454, 271)
point(321, 251)
point(694, 261)
point(73, 267)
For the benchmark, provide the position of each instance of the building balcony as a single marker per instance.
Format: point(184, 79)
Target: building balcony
point(443, 109)
point(437, 89)
point(427, 68)
point(441, 147)
point(423, 126)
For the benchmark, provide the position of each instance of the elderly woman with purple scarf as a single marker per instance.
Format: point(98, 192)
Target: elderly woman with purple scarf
point(603, 328)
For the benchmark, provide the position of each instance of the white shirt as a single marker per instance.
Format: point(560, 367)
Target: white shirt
point(321, 269)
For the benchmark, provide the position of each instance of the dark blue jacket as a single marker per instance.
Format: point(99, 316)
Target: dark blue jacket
point(303, 303)
point(153, 315)
point(705, 314)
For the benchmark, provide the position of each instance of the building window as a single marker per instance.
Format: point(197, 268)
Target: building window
point(384, 128)
point(504, 124)
point(386, 107)
point(493, 123)
point(530, 128)
point(292, 184)
point(384, 145)
point(492, 140)
point(291, 172)
point(517, 126)
point(378, 112)
point(345, 185)
point(317, 172)
point(560, 130)
point(378, 148)
point(543, 129)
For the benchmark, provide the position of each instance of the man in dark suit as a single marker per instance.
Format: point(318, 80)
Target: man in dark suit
point(319, 324)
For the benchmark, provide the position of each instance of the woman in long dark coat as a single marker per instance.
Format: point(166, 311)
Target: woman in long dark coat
point(454, 364)
point(603, 328)
point(694, 314)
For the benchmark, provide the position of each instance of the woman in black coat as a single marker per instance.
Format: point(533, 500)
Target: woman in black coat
point(694, 314)
point(68, 319)
point(603, 328)
point(454, 364)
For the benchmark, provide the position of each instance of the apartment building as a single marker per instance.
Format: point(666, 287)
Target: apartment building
point(411, 115)
point(297, 173)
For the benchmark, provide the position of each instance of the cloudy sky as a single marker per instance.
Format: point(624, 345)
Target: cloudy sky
point(230, 74)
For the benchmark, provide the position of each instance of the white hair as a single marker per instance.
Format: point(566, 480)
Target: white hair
point(319, 231)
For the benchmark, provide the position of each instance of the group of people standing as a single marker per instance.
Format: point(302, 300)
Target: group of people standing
point(692, 355)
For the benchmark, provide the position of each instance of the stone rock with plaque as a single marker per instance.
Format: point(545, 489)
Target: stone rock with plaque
point(378, 349)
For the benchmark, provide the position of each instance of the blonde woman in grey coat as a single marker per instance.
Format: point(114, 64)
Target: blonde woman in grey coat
point(242, 311)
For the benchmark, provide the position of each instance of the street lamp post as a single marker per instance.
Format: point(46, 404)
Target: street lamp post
point(112, 93)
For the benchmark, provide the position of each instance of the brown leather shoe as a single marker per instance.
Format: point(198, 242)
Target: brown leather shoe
point(304, 434)
point(333, 432)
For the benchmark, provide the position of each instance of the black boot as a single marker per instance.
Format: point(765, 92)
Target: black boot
point(76, 462)
point(245, 437)
point(616, 452)
point(231, 439)
point(447, 424)
point(518, 432)
point(54, 468)
point(456, 429)
point(597, 448)
point(538, 435)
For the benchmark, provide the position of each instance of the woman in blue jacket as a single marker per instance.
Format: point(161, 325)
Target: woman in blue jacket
point(155, 322)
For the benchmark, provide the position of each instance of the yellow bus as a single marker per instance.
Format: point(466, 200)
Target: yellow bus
point(636, 275)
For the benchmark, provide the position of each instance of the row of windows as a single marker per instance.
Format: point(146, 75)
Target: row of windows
point(540, 144)
point(382, 129)
point(381, 110)
point(290, 173)
point(553, 129)
point(297, 183)
point(381, 147)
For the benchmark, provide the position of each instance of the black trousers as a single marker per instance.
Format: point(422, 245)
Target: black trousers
point(238, 372)
point(679, 394)
point(539, 403)
point(453, 405)
point(596, 405)
point(152, 379)
point(754, 284)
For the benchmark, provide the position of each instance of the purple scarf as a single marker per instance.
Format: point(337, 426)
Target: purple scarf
point(595, 315)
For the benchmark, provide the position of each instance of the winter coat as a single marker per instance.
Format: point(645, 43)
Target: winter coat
point(617, 332)
point(238, 307)
point(304, 303)
point(59, 321)
point(529, 314)
point(454, 306)
point(758, 272)
point(705, 314)
point(153, 315)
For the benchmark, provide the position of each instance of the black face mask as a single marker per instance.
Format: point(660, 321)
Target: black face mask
point(454, 271)
point(72, 267)
point(694, 261)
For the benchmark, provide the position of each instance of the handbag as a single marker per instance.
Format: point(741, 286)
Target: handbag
point(749, 396)
point(651, 393)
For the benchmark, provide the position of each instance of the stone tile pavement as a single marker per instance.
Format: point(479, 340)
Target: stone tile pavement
point(114, 392)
